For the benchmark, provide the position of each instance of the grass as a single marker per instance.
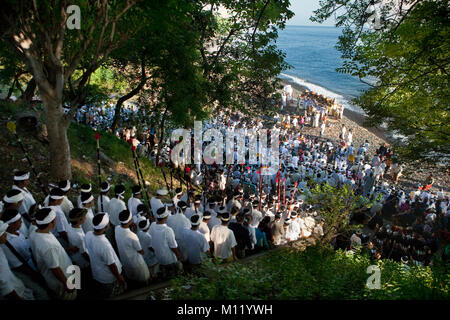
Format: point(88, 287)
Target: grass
point(83, 152)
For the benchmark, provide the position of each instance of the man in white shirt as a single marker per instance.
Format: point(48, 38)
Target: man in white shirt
point(194, 209)
point(115, 207)
point(18, 252)
point(85, 188)
point(203, 227)
point(66, 204)
point(78, 252)
point(13, 200)
point(145, 240)
point(224, 240)
point(196, 244)
point(293, 230)
point(103, 198)
point(178, 222)
point(165, 245)
point(105, 265)
point(11, 287)
point(51, 258)
point(156, 202)
point(178, 194)
point(21, 181)
point(256, 214)
point(87, 202)
point(130, 250)
point(62, 225)
point(135, 200)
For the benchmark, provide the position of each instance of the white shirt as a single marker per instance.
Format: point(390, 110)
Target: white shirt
point(22, 245)
point(102, 255)
point(66, 205)
point(133, 262)
point(214, 221)
point(145, 239)
point(28, 200)
point(9, 282)
point(106, 201)
point(163, 240)
point(62, 225)
point(133, 204)
point(204, 229)
point(293, 230)
point(195, 245)
point(155, 203)
point(115, 207)
point(224, 240)
point(76, 239)
point(49, 254)
point(178, 222)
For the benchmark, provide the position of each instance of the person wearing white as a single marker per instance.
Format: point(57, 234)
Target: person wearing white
point(223, 239)
point(105, 265)
point(77, 246)
point(135, 200)
point(145, 239)
point(197, 244)
point(116, 205)
point(130, 250)
point(21, 181)
point(164, 243)
point(203, 227)
point(293, 230)
point(103, 197)
point(13, 200)
point(52, 260)
point(87, 202)
point(62, 225)
point(18, 253)
point(178, 222)
point(156, 202)
point(11, 287)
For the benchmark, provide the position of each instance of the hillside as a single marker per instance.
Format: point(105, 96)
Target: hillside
point(117, 163)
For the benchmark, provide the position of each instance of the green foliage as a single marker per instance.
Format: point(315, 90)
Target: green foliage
point(83, 146)
point(316, 273)
point(335, 205)
point(408, 56)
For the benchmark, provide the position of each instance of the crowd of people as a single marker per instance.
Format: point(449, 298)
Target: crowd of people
point(226, 212)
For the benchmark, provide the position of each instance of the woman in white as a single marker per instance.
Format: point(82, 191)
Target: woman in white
point(130, 250)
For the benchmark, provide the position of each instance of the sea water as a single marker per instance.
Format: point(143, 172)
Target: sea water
point(312, 54)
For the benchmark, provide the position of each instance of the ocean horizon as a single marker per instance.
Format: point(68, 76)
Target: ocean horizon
point(311, 52)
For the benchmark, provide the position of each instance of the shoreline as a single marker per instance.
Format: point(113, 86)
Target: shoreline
point(351, 115)
point(412, 174)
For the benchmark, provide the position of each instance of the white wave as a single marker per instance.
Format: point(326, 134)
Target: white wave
point(323, 91)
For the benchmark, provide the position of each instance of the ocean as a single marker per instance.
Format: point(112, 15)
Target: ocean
point(312, 54)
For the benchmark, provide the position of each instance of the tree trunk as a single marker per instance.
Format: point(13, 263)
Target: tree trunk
point(10, 91)
point(28, 94)
point(161, 137)
point(60, 159)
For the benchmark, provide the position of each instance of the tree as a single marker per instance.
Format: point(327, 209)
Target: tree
point(58, 57)
point(239, 58)
point(404, 46)
point(336, 205)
